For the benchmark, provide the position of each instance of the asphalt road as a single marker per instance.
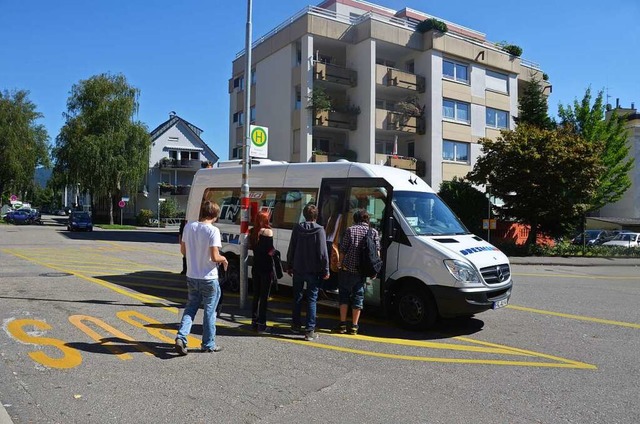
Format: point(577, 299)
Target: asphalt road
point(89, 319)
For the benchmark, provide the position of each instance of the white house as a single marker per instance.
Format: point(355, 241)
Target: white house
point(177, 152)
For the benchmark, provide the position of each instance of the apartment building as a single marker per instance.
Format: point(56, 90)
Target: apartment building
point(397, 96)
point(626, 211)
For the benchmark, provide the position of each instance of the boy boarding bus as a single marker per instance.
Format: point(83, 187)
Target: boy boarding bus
point(433, 266)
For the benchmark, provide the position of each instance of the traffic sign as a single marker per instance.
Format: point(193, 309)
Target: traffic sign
point(122, 203)
point(489, 224)
point(259, 141)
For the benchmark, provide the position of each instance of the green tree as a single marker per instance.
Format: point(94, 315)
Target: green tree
point(545, 177)
point(23, 142)
point(468, 203)
point(100, 146)
point(532, 106)
point(607, 134)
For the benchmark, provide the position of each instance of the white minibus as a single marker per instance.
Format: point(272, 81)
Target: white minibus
point(433, 266)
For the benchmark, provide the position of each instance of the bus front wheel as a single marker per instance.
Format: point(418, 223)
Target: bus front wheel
point(415, 307)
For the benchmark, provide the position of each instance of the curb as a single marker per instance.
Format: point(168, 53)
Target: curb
point(4, 416)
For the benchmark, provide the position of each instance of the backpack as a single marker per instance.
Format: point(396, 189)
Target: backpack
point(370, 262)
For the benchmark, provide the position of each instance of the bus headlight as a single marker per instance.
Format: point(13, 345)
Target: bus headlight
point(462, 271)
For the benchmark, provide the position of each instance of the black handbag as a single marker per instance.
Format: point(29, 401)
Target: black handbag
point(277, 264)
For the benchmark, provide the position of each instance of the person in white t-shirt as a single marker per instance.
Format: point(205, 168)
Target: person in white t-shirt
point(201, 244)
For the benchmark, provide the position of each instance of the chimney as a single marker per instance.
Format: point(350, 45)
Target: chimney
point(633, 106)
point(617, 102)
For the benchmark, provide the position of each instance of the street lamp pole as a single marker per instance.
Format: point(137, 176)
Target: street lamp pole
point(244, 190)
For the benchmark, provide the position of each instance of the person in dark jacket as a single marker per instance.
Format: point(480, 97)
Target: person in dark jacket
point(262, 272)
point(308, 262)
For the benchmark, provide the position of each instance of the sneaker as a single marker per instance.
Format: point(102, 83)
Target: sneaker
point(353, 329)
point(296, 329)
point(340, 329)
point(311, 336)
point(212, 349)
point(261, 328)
point(181, 348)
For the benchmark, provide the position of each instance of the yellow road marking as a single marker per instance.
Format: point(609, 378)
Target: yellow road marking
point(576, 317)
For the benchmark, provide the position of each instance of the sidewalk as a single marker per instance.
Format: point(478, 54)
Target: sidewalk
point(573, 261)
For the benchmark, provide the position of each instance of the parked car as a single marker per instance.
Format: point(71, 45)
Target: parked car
point(80, 221)
point(625, 240)
point(594, 237)
point(20, 216)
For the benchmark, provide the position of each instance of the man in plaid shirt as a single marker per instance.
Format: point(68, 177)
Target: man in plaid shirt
point(351, 281)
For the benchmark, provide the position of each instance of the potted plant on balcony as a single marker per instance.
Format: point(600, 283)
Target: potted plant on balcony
point(165, 188)
point(319, 156)
point(402, 162)
point(512, 49)
point(407, 109)
point(319, 101)
point(431, 23)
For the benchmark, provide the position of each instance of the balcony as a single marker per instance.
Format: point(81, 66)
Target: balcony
point(174, 190)
point(401, 79)
point(188, 164)
point(332, 119)
point(334, 73)
point(409, 124)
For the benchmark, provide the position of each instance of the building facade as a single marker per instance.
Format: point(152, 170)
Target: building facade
point(397, 96)
point(177, 152)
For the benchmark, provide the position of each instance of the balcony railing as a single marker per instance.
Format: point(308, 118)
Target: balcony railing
point(334, 73)
point(398, 78)
point(336, 120)
point(410, 124)
point(192, 164)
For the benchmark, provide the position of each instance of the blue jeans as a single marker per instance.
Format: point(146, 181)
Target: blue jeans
point(207, 293)
point(313, 283)
point(351, 289)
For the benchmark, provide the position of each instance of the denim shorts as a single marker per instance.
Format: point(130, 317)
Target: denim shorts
point(351, 289)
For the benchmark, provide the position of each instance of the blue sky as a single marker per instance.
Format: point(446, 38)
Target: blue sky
point(179, 53)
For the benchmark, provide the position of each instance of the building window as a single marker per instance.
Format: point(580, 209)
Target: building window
point(238, 83)
point(298, 102)
point(195, 155)
point(236, 153)
point(173, 139)
point(238, 118)
point(252, 114)
point(497, 82)
point(385, 104)
point(497, 118)
point(173, 154)
point(456, 111)
point(253, 76)
point(455, 151)
point(410, 66)
point(455, 71)
point(384, 147)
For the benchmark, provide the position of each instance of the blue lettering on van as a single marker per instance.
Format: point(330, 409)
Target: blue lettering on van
point(230, 238)
point(478, 249)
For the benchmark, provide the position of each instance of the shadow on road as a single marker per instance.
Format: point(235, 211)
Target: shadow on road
point(171, 287)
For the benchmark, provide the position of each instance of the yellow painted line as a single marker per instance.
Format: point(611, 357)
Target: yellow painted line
point(146, 249)
point(576, 317)
point(117, 289)
point(567, 364)
point(581, 276)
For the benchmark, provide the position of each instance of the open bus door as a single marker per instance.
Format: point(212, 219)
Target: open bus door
point(339, 199)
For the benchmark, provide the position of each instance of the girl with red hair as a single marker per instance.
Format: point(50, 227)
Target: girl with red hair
point(262, 272)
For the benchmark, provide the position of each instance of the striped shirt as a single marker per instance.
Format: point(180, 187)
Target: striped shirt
point(350, 246)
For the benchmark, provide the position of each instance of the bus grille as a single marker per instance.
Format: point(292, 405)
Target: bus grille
point(496, 274)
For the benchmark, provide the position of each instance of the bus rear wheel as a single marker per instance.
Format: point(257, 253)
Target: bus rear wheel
point(415, 308)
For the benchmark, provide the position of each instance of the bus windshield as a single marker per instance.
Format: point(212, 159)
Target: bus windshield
point(427, 214)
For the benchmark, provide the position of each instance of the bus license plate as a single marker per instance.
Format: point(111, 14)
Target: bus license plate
point(500, 303)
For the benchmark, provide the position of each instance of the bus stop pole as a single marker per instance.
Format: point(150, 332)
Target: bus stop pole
point(244, 190)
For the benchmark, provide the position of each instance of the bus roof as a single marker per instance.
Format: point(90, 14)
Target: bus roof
point(307, 174)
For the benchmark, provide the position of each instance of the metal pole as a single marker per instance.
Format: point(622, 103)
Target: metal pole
point(244, 190)
point(158, 205)
point(489, 214)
